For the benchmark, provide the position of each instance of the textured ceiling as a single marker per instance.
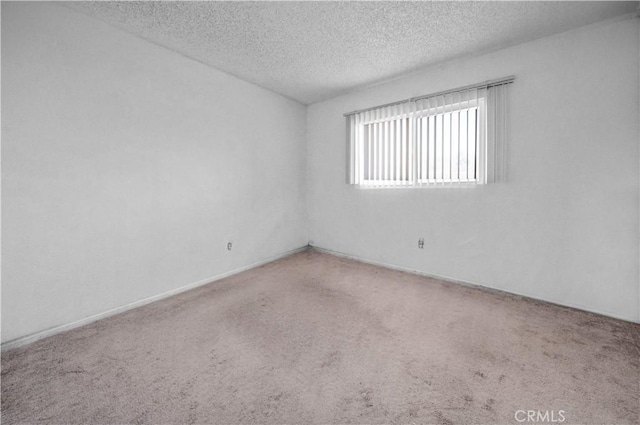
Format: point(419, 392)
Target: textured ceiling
point(310, 51)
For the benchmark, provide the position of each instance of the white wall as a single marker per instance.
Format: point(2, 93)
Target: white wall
point(563, 228)
point(126, 168)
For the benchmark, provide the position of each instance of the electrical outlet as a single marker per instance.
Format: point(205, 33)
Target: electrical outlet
point(229, 246)
point(421, 243)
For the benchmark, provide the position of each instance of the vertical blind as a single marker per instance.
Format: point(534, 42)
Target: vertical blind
point(447, 138)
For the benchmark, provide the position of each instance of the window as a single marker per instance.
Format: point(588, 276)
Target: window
point(452, 138)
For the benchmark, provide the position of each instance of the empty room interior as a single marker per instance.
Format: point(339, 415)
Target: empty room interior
point(320, 212)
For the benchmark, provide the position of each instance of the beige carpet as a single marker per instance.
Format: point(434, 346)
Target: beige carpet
point(317, 339)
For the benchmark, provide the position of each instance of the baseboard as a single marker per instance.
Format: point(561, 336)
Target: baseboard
point(18, 342)
point(472, 284)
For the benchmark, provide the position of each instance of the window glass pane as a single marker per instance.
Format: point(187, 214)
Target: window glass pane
point(448, 146)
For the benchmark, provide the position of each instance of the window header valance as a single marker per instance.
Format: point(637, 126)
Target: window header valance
point(486, 84)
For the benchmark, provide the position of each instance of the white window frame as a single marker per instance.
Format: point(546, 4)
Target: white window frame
point(490, 138)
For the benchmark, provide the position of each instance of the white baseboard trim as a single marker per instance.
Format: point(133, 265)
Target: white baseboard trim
point(18, 342)
point(472, 284)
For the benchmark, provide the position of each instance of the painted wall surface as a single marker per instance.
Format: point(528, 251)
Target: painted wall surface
point(126, 168)
point(562, 228)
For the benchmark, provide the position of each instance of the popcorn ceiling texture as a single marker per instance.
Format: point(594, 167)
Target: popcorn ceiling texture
point(311, 51)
